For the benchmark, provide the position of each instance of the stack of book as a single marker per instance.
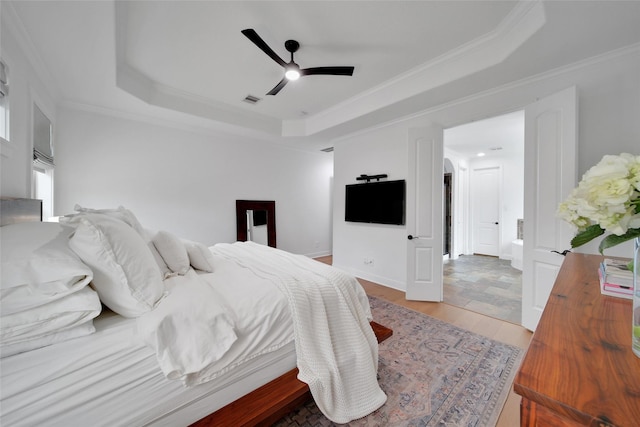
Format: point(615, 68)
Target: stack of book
point(616, 279)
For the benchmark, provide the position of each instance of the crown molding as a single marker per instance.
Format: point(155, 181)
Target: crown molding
point(526, 18)
point(557, 72)
point(217, 130)
point(10, 20)
point(152, 92)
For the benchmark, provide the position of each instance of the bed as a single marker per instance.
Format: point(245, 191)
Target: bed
point(151, 359)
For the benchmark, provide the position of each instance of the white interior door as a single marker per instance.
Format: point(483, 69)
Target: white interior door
point(486, 210)
point(550, 175)
point(424, 214)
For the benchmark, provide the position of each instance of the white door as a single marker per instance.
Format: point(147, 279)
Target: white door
point(424, 214)
point(549, 176)
point(486, 210)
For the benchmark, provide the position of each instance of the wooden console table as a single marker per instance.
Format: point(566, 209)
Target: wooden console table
point(579, 369)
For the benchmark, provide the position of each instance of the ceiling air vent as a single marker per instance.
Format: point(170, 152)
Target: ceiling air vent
point(250, 99)
point(327, 150)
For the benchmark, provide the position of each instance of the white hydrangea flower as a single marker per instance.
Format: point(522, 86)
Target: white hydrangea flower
point(607, 195)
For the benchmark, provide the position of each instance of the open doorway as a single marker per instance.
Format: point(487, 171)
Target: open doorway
point(447, 205)
point(486, 162)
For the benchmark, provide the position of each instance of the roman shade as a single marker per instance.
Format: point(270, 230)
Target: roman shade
point(42, 149)
point(4, 86)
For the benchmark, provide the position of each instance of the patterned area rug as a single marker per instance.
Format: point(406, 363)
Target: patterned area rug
point(434, 374)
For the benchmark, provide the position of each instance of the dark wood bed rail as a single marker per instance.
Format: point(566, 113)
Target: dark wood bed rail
point(267, 404)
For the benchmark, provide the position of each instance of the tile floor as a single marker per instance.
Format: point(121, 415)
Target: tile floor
point(484, 284)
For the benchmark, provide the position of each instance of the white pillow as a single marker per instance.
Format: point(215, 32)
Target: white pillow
point(200, 256)
point(38, 266)
point(47, 324)
point(165, 271)
point(120, 213)
point(125, 275)
point(173, 251)
point(129, 218)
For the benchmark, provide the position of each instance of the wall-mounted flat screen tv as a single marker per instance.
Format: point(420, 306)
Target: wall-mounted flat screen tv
point(380, 202)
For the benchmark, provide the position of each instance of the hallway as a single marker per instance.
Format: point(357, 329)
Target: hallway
point(485, 285)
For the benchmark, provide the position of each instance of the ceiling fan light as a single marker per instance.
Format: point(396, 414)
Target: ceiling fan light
point(292, 73)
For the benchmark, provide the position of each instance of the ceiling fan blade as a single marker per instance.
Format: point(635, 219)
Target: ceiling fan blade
point(257, 40)
point(278, 87)
point(333, 71)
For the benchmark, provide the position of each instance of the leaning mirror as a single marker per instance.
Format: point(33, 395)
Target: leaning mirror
point(256, 221)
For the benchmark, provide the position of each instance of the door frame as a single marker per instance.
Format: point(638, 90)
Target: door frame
point(543, 281)
point(448, 214)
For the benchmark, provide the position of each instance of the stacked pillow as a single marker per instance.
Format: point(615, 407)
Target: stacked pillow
point(125, 273)
point(47, 267)
point(129, 263)
point(181, 254)
point(44, 297)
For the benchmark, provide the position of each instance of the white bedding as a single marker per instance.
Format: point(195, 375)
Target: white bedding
point(336, 348)
point(112, 377)
point(108, 379)
point(197, 308)
point(135, 372)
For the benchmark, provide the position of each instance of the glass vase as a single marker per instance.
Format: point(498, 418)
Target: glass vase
point(636, 297)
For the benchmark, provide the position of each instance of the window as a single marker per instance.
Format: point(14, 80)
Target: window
point(43, 166)
point(42, 188)
point(4, 102)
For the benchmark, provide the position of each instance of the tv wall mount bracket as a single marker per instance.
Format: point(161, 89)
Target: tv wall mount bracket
point(368, 178)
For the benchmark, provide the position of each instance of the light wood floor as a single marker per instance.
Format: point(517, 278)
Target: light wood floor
point(490, 327)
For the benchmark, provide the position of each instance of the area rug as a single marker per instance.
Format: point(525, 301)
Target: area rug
point(434, 374)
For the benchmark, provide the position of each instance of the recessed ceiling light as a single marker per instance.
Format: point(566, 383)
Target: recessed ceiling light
point(480, 154)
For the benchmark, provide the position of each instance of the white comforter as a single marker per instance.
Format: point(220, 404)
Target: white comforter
point(336, 349)
point(208, 324)
point(199, 333)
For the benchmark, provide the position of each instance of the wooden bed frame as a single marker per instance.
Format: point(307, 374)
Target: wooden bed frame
point(267, 404)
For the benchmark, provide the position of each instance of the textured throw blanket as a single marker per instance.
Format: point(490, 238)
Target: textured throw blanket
point(337, 352)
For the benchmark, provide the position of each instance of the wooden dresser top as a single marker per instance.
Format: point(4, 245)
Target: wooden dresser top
point(580, 363)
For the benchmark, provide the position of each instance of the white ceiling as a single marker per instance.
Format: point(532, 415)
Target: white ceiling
point(501, 135)
point(188, 63)
point(202, 49)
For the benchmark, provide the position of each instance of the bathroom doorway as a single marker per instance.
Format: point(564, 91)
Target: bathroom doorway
point(486, 284)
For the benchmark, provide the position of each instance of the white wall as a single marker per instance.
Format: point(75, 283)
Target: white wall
point(384, 244)
point(26, 87)
point(187, 183)
point(173, 179)
point(609, 107)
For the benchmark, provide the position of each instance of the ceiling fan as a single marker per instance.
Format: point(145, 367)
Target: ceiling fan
point(292, 70)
